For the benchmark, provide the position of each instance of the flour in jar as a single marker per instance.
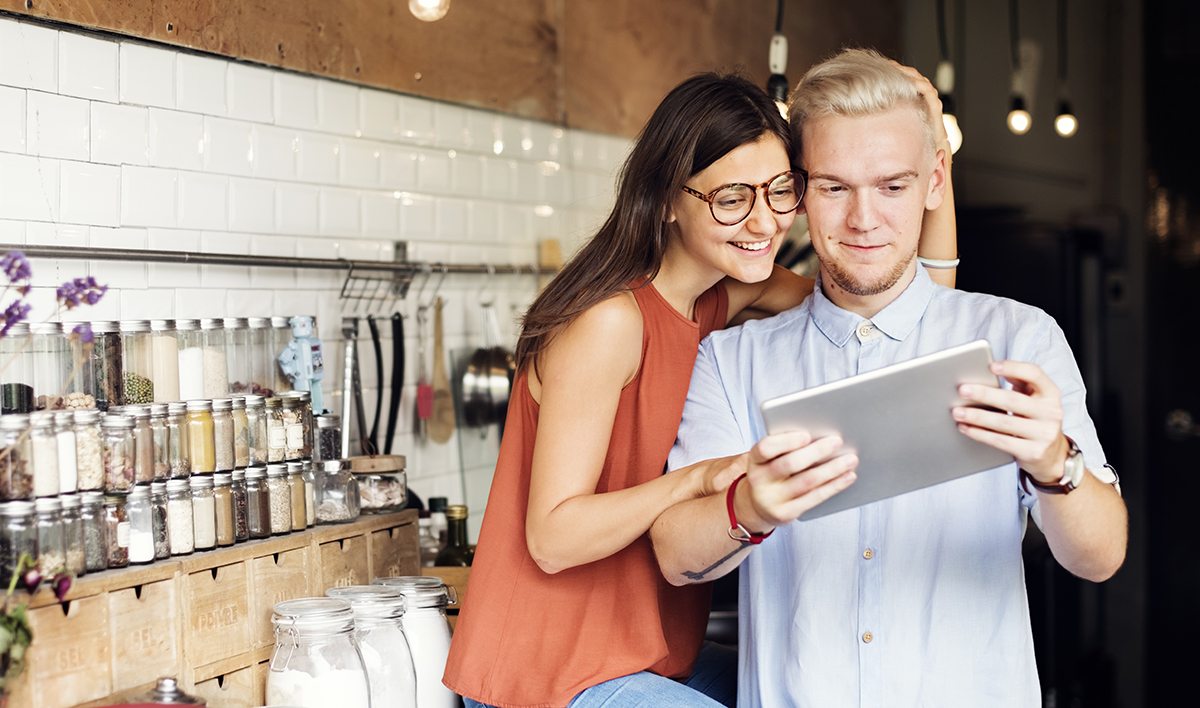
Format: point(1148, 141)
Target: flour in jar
point(336, 687)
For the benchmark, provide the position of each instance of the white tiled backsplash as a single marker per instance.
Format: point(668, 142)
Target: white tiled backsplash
point(120, 144)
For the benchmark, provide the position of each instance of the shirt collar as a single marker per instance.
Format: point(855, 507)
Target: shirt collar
point(897, 320)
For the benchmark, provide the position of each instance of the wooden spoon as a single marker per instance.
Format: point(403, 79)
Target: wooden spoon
point(441, 425)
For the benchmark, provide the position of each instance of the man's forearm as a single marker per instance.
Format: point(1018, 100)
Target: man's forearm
point(1087, 529)
point(692, 542)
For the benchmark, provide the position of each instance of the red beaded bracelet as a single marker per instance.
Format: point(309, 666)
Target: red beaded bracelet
point(736, 531)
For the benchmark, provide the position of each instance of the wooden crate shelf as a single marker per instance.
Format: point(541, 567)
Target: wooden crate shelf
point(203, 618)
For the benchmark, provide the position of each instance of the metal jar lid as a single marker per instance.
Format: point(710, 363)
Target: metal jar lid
point(421, 591)
point(117, 421)
point(134, 326)
point(86, 415)
point(212, 323)
point(14, 421)
point(277, 469)
point(187, 325)
point(167, 692)
point(236, 323)
point(259, 322)
point(220, 404)
point(201, 481)
point(162, 325)
point(371, 601)
point(200, 404)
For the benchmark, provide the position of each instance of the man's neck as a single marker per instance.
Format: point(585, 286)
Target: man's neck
point(866, 306)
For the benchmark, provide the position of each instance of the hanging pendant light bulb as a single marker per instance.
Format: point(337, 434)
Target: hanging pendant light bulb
point(777, 83)
point(429, 10)
point(944, 80)
point(1019, 120)
point(1065, 123)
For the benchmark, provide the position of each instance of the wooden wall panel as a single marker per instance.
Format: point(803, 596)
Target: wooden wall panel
point(595, 64)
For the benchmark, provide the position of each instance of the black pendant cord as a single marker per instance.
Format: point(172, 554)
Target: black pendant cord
point(779, 18)
point(1062, 42)
point(943, 45)
point(374, 436)
point(397, 380)
point(1014, 33)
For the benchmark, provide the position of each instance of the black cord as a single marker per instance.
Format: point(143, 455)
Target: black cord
point(941, 25)
point(779, 19)
point(1062, 41)
point(1014, 34)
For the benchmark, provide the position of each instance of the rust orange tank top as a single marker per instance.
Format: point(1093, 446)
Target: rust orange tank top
point(528, 639)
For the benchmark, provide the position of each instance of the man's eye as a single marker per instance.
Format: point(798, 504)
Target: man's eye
point(894, 188)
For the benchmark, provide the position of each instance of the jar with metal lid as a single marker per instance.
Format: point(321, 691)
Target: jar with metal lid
point(167, 692)
point(378, 621)
point(118, 454)
point(95, 531)
point(64, 437)
point(50, 363)
point(140, 514)
point(310, 493)
point(328, 445)
point(181, 529)
point(191, 359)
point(428, 634)
point(216, 365)
point(237, 354)
point(200, 436)
point(256, 430)
point(293, 425)
point(383, 488)
point(164, 360)
point(18, 535)
point(336, 492)
point(162, 441)
point(281, 335)
point(296, 495)
point(241, 526)
point(73, 534)
point(280, 493)
point(158, 507)
point(258, 503)
point(204, 512)
point(143, 444)
point(116, 531)
point(16, 375)
point(43, 446)
point(102, 375)
point(316, 662)
point(16, 463)
point(276, 431)
point(223, 505)
point(262, 356)
point(222, 422)
point(178, 448)
point(241, 434)
point(89, 451)
point(138, 361)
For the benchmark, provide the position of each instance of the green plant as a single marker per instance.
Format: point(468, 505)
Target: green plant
point(15, 633)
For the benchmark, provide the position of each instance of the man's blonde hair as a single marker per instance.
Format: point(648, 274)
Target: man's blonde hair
point(856, 83)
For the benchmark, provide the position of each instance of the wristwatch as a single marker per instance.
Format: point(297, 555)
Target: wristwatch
point(1072, 477)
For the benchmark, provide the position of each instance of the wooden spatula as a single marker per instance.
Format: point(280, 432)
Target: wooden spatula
point(441, 425)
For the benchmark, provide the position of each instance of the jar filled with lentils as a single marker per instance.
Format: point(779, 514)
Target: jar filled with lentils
point(89, 451)
point(137, 358)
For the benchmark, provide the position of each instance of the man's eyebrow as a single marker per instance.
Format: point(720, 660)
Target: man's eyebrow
point(906, 174)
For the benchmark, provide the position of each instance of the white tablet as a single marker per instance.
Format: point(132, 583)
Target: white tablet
point(897, 419)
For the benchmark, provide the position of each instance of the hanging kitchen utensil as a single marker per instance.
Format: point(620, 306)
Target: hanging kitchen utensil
point(397, 379)
point(441, 425)
point(350, 345)
point(424, 389)
point(377, 347)
point(364, 436)
point(501, 372)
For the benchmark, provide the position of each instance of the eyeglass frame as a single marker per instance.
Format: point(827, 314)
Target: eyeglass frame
point(801, 174)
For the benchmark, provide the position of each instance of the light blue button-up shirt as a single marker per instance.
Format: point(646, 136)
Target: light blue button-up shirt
point(917, 600)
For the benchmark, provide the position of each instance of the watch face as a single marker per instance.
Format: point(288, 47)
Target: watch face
point(1073, 474)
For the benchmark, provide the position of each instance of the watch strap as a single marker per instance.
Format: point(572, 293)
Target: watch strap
point(738, 532)
point(1066, 485)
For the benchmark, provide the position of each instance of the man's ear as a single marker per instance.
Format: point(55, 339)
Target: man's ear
point(937, 182)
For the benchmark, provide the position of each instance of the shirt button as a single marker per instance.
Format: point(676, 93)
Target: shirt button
point(867, 637)
point(864, 331)
point(868, 554)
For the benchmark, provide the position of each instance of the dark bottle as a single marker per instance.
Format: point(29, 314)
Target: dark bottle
point(456, 552)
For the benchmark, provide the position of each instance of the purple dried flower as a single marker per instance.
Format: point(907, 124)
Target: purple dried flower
point(83, 332)
point(62, 585)
point(74, 293)
point(16, 311)
point(16, 267)
point(32, 579)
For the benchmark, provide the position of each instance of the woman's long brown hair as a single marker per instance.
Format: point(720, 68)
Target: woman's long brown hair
point(698, 123)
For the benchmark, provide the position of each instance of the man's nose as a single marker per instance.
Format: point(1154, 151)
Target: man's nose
point(863, 215)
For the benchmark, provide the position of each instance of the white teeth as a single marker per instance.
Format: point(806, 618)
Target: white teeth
point(751, 245)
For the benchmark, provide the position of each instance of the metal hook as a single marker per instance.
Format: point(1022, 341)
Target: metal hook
point(491, 273)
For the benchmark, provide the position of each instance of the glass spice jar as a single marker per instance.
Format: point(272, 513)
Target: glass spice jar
point(223, 506)
point(216, 365)
point(116, 531)
point(177, 441)
point(143, 444)
point(103, 372)
point(16, 376)
point(329, 438)
point(137, 359)
point(43, 448)
point(162, 441)
point(158, 508)
point(16, 467)
point(241, 527)
point(18, 536)
point(296, 495)
point(118, 454)
point(256, 430)
point(276, 432)
point(140, 514)
point(222, 423)
point(337, 494)
point(201, 443)
point(241, 434)
point(293, 424)
point(164, 360)
point(64, 436)
point(50, 364)
point(204, 512)
point(191, 359)
point(73, 534)
point(89, 451)
point(258, 503)
point(237, 354)
point(306, 410)
point(181, 531)
point(310, 494)
point(280, 494)
point(262, 356)
point(95, 531)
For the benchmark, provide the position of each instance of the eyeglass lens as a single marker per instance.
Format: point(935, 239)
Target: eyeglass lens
point(733, 203)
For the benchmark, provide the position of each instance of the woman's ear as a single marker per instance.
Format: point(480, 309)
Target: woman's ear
point(669, 214)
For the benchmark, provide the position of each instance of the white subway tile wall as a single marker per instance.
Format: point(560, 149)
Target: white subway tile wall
point(120, 144)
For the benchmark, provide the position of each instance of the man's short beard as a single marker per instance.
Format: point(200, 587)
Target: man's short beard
point(847, 281)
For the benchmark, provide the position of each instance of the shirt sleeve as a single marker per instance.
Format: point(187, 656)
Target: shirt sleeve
point(709, 428)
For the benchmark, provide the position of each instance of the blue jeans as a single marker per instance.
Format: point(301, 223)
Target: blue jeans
point(713, 684)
